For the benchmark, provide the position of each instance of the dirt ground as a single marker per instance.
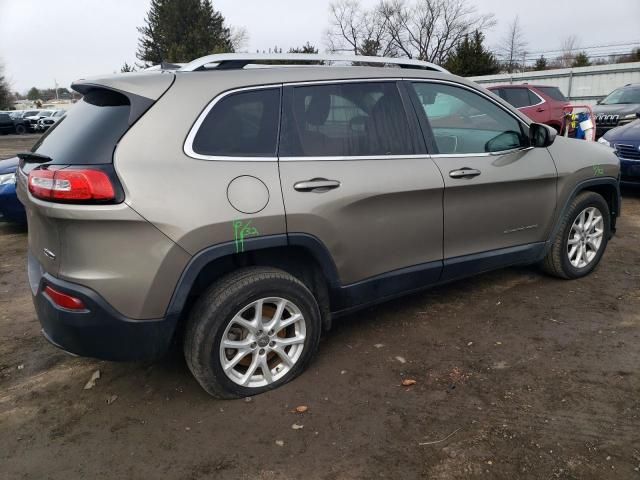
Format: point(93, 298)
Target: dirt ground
point(11, 144)
point(517, 376)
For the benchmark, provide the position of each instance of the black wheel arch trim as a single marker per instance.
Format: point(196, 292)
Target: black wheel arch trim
point(199, 261)
point(580, 187)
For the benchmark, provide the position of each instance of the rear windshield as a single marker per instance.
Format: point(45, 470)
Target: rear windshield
point(89, 132)
point(553, 92)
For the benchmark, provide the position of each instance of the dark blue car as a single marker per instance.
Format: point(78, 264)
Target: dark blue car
point(626, 141)
point(10, 207)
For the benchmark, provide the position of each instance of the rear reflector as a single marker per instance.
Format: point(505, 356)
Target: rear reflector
point(63, 300)
point(71, 185)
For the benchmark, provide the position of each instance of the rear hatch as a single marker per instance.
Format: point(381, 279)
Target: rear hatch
point(76, 154)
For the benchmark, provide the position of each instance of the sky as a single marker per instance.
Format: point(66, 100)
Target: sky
point(47, 41)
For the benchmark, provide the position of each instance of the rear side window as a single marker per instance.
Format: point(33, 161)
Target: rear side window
point(90, 131)
point(553, 92)
point(242, 124)
point(345, 119)
point(519, 97)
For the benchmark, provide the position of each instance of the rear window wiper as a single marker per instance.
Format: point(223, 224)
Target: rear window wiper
point(31, 157)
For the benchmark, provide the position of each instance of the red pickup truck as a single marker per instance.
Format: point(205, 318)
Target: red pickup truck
point(541, 103)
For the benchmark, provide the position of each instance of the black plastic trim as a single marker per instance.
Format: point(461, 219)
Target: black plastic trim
point(468, 265)
point(576, 190)
point(98, 331)
point(388, 285)
point(205, 257)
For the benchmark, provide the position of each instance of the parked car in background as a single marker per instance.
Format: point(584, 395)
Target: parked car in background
point(31, 121)
point(10, 207)
point(8, 124)
point(626, 142)
point(46, 123)
point(24, 113)
point(541, 103)
point(619, 108)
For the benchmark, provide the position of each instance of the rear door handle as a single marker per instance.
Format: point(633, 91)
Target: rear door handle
point(316, 185)
point(464, 173)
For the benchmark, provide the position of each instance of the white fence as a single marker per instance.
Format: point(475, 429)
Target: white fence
point(580, 85)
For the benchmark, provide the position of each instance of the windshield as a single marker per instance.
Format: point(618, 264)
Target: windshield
point(622, 96)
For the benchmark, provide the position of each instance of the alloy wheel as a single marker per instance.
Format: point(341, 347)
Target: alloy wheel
point(262, 342)
point(585, 237)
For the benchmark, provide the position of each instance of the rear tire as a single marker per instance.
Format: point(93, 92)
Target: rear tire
point(241, 310)
point(581, 239)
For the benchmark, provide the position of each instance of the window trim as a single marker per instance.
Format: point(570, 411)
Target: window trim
point(542, 100)
point(422, 116)
point(188, 144)
point(195, 128)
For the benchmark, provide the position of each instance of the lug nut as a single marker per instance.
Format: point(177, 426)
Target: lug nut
point(254, 344)
point(262, 351)
point(270, 332)
point(272, 343)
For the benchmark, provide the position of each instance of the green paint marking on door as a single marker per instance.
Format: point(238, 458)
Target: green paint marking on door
point(242, 230)
point(598, 170)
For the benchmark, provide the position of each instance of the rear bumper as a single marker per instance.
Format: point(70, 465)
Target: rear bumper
point(99, 331)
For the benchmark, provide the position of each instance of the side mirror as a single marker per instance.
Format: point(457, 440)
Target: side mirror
point(598, 102)
point(637, 114)
point(541, 136)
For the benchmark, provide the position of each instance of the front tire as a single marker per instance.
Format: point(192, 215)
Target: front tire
point(581, 239)
point(21, 129)
point(251, 332)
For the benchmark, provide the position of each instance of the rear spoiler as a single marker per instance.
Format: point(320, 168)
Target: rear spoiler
point(141, 88)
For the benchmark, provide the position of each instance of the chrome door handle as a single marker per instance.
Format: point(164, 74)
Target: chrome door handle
point(464, 173)
point(316, 185)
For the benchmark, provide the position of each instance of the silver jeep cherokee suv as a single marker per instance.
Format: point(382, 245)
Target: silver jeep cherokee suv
point(241, 209)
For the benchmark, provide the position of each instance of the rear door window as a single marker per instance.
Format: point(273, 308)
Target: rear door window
point(345, 120)
point(518, 97)
point(553, 92)
point(241, 124)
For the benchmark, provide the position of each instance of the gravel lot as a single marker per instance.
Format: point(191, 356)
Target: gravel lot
point(517, 376)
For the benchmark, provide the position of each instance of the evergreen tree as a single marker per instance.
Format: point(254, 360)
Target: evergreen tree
point(541, 63)
point(306, 48)
point(471, 58)
point(581, 60)
point(127, 68)
point(181, 30)
point(33, 94)
point(5, 93)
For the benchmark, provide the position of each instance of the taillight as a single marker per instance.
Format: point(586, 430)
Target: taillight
point(71, 185)
point(63, 300)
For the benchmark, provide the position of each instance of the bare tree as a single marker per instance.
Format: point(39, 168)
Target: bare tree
point(239, 37)
point(357, 30)
point(513, 46)
point(424, 29)
point(431, 29)
point(568, 49)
